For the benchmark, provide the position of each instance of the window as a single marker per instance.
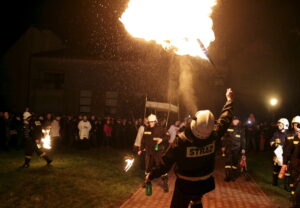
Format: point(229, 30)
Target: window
point(85, 101)
point(52, 80)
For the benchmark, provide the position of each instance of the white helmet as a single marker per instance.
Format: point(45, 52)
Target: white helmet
point(203, 125)
point(152, 118)
point(285, 123)
point(26, 115)
point(296, 119)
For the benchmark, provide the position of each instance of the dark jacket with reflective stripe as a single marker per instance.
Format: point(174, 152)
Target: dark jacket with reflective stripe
point(234, 138)
point(33, 131)
point(278, 139)
point(148, 142)
point(195, 157)
point(291, 152)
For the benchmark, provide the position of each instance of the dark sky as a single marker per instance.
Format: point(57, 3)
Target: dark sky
point(268, 29)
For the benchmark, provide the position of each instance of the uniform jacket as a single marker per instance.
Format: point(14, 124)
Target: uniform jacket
point(291, 152)
point(234, 138)
point(193, 157)
point(150, 134)
point(33, 131)
point(278, 139)
point(84, 129)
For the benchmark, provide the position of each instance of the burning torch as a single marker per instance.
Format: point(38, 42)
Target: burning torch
point(46, 140)
point(205, 51)
point(129, 160)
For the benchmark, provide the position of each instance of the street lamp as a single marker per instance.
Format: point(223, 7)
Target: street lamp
point(273, 101)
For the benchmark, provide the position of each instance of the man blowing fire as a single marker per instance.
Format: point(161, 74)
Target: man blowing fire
point(193, 154)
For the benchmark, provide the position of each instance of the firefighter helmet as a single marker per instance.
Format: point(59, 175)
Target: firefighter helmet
point(285, 123)
point(203, 124)
point(296, 119)
point(152, 118)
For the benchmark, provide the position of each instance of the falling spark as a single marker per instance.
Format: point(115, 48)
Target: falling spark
point(176, 25)
point(46, 140)
point(129, 162)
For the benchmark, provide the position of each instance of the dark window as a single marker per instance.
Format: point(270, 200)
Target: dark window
point(52, 80)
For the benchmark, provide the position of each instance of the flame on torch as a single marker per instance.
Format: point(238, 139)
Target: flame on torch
point(129, 160)
point(176, 25)
point(46, 140)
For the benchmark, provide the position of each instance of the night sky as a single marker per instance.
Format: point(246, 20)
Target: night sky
point(269, 29)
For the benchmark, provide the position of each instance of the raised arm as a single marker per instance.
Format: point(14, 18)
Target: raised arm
point(226, 115)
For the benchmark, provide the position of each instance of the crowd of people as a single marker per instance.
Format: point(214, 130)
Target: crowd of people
point(71, 131)
point(92, 131)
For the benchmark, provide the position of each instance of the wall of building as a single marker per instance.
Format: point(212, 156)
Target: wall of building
point(131, 81)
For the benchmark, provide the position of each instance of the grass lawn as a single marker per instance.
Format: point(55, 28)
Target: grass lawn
point(260, 168)
point(93, 178)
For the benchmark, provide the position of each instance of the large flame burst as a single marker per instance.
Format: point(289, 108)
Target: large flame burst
point(174, 24)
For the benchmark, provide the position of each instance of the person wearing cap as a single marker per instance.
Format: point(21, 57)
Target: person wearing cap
point(233, 144)
point(193, 154)
point(152, 143)
point(277, 142)
point(32, 136)
point(291, 161)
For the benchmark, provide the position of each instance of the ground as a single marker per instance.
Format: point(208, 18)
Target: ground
point(95, 178)
point(260, 168)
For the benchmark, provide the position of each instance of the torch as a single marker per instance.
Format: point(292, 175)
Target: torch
point(129, 160)
point(205, 51)
point(46, 140)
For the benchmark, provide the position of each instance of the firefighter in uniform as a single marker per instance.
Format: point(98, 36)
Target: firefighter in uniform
point(291, 134)
point(233, 144)
point(153, 142)
point(32, 135)
point(193, 154)
point(278, 141)
point(291, 157)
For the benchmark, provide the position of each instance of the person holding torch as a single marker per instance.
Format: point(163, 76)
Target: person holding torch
point(153, 143)
point(32, 136)
point(193, 154)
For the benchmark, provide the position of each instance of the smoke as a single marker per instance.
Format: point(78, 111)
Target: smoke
point(186, 88)
point(182, 66)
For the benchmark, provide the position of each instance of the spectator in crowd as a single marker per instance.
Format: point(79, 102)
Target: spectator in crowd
point(55, 132)
point(2, 132)
point(117, 136)
point(124, 132)
point(100, 133)
point(48, 121)
point(251, 133)
point(17, 126)
point(107, 131)
point(67, 131)
point(84, 127)
point(130, 134)
point(94, 130)
point(173, 131)
point(75, 131)
point(7, 130)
